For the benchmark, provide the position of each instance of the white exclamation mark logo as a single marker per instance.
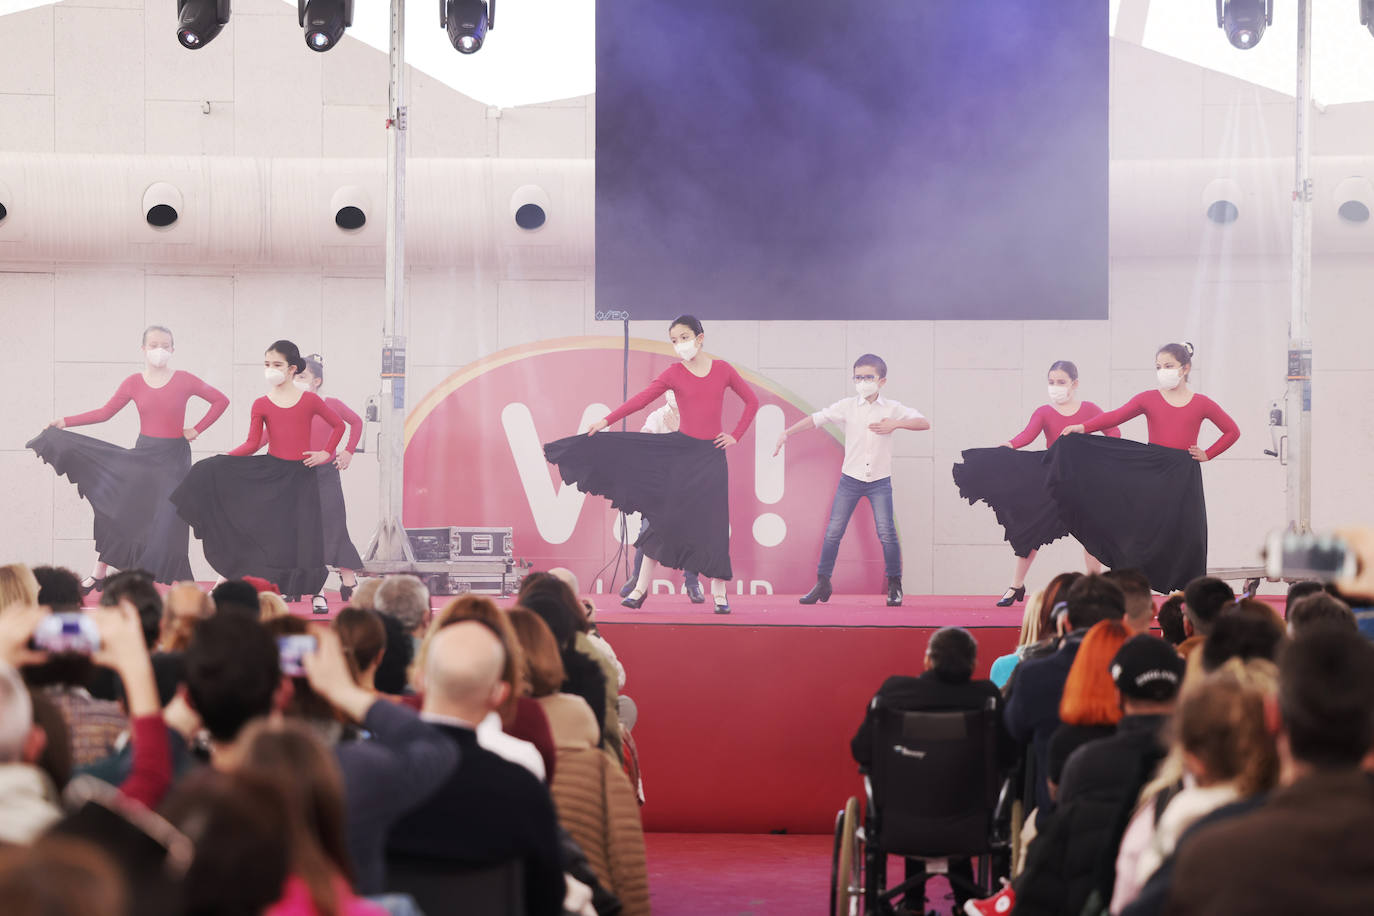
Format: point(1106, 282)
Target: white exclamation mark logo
point(769, 528)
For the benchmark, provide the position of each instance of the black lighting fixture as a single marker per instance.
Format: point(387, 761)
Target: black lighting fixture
point(467, 22)
point(1367, 15)
point(1243, 21)
point(324, 21)
point(199, 21)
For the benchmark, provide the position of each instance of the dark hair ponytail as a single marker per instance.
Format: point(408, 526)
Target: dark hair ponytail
point(290, 352)
point(1066, 367)
point(690, 322)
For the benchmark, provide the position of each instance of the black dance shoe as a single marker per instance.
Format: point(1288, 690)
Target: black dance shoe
point(819, 592)
point(695, 594)
point(291, 599)
point(632, 602)
point(722, 604)
point(346, 591)
point(894, 591)
point(90, 584)
point(1012, 596)
point(628, 587)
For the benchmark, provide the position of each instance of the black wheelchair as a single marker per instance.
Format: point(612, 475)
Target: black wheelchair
point(934, 792)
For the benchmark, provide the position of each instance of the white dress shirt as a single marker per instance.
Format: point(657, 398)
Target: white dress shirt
point(867, 455)
point(657, 422)
point(492, 737)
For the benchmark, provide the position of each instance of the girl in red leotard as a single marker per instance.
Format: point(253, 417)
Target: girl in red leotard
point(136, 527)
point(1143, 505)
point(259, 515)
point(339, 551)
point(680, 479)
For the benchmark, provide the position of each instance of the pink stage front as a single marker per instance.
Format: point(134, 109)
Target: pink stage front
point(745, 719)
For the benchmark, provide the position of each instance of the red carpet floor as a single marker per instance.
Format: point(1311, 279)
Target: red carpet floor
point(735, 874)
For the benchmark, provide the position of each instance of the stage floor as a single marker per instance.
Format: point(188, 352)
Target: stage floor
point(973, 611)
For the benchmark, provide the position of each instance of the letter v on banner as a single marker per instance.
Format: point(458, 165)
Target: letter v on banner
point(555, 507)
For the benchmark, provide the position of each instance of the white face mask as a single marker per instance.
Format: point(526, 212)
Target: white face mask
point(159, 357)
point(866, 389)
point(274, 377)
point(1059, 394)
point(1169, 379)
point(686, 348)
point(301, 384)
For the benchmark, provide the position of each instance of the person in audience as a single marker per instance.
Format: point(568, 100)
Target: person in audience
point(363, 637)
point(233, 675)
point(1229, 754)
point(1140, 600)
point(240, 834)
point(1052, 601)
point(1302, 850)
point(17, 586)
point(1250, 629)
point(1299, 590)
point(490, 811)
point(365, 595)
point(56, 756)
point(403, 601)
point(1319, 607)
point(570, 718)
point(271, 606)
point(1204, 599)
point(1032, 711)
point(58, 876)
point(1090, 707)
point(400, 764)
point(236, 596)
point(28, 800)
point(94, 724)
point(288, 755)
point(1004, 665)
point(183, 607)
point(1069, 863)
point(593, 635)
point(551, 598)
point(1171, 620)
point(947, 683)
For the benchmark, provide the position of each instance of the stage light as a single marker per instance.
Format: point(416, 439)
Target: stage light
point(467, 22)
point(199, 21)
point(1367, 15)
point(324, 21)
point(1244, 20)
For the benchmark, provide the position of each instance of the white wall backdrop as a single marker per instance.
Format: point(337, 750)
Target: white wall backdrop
point(101, 77)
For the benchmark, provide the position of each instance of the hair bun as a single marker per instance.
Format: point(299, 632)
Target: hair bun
point(1189, 347)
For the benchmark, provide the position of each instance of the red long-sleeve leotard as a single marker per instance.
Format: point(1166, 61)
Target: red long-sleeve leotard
point(700, 400)
point(161, 411)
point(320, 429)
point(1051, 422)
point(1170, 426)
point(287, 429)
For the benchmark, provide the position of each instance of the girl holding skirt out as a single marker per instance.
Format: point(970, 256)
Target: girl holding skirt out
point(680, 479)
point(339, 551)
point(259, 515)
point(136, 526)
point(1142, 506)
point(1014, 483)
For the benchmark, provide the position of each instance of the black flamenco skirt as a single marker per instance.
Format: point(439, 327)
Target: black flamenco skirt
point(1133, 505)
point(136, 525)
point(679, 482)
point(1013, 483)
point(339, 551)
point(257, 515)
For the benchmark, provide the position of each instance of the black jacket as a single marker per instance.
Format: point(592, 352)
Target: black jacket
point(1033, 708)
point(489, 811)
point(929, 693)
point(1111, 764)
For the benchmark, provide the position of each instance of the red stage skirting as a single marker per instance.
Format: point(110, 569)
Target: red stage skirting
point(745, 719)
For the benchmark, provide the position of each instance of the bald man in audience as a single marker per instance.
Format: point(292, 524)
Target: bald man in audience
point(184, 606)
point(490, 811)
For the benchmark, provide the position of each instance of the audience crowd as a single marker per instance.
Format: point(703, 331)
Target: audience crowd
point(194, 753)
point(1226, 766)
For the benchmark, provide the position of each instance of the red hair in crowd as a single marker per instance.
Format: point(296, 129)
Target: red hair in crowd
point(1090, 695)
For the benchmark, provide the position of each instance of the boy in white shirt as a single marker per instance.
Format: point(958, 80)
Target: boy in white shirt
point(869, 421)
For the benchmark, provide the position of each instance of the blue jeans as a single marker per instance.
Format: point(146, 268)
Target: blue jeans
point(847, 496)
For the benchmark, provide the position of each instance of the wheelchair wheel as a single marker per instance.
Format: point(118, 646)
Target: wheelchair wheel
point(846, 876)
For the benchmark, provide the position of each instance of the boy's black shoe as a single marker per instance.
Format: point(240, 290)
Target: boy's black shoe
point(819, 592)
point(894, 591)
point(695, 594)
